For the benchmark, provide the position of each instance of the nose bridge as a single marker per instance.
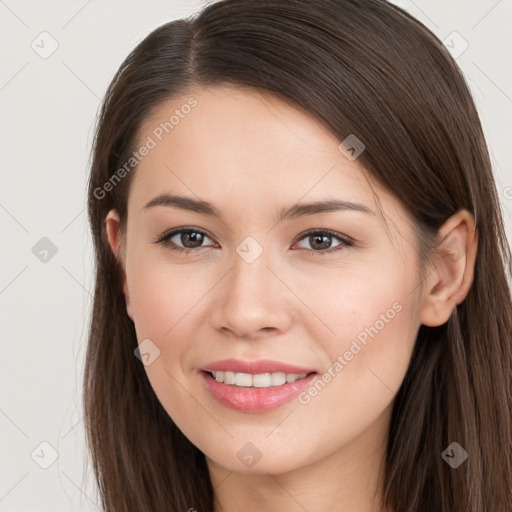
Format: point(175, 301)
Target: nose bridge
point(252, 296)
point(250, 274)
point(249, 283)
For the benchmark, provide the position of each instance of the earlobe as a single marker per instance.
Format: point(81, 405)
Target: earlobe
point(452, 276)
point(114, 236)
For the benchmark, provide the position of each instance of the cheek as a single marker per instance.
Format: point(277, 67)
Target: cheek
point(367, 359)
point(162, 295)
point(166, 302)
point(163, 298)
point(369, 325)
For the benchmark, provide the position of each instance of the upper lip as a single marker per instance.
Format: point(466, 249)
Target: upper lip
point(255, 367)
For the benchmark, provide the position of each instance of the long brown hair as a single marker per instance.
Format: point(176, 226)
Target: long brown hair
point(361, 67)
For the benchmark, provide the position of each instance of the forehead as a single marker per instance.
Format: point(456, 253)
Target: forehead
point(246, 146)
point(241, 112)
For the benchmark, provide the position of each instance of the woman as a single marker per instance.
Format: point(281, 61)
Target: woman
point(228, 366)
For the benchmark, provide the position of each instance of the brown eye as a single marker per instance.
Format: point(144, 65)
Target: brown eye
point(191, 239)
point(184, 239)
point(320, 241)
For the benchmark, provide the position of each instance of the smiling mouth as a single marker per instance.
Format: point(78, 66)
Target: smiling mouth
point(260, 380)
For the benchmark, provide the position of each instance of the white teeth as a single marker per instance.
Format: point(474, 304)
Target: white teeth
point(243, 379)
point(279, 378)
point(261, 380)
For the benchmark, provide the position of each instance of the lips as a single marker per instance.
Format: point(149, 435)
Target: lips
point(255, 367)
point(254, 400)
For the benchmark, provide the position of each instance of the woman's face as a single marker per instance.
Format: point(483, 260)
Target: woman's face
point(258, 285)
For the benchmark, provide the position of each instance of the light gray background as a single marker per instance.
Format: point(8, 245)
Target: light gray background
point(48, 108)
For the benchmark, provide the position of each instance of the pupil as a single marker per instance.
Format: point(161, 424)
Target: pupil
point(194, 236)
point(325, 239)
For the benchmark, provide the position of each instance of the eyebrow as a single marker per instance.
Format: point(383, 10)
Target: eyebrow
point(293, 212)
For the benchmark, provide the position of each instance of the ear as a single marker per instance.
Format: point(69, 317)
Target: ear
point(449, 282)
point(118, 246)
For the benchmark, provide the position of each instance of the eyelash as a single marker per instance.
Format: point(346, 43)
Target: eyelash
point(165, 240)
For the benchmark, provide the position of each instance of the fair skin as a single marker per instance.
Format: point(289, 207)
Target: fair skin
point(250, 155)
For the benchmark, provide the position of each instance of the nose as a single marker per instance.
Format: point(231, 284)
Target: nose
point(252, 300)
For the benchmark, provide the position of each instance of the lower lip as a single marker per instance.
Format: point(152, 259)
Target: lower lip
point(249, 399)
